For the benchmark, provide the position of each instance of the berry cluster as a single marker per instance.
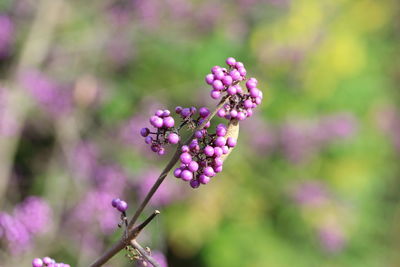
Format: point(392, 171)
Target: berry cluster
point(165, 131)
point(187, 115)
point(48, 262)
point(241, 102)
point(119, 204)
point(202, 158)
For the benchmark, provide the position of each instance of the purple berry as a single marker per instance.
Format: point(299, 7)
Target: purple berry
point(186, 175)
point(185, 158)
point(156, 121)
point(122, 206)
point(168, 122)
point(193, 166)
point(199, 134)
point(154, 148)
point(221, 113)
point(209, 171)
point(221, 131)
point(166, 113)
point(239, 65)
point(47, 260)
point(218, 169)
point(37, 262)
point(209, 78)
point(115, 202)
point(254, 92)
point(247, 103)
point(204, 179)
point(173, 138)
point(251, 83)
point(225, 149)
point(227, 80)
point(148, 140)
point(219, 75)
point(159, 113)
point(235, 75)
point(241, 116)
point(215, 69)
point(220, 141)
point(194, 183)
point(242, 71)
point(144, 132)
point(249, 112)
point(177, 172)
point(218, 152)
point(231, 90)
point(185, 148)
point(161, 151)
point(207, 125)
point(193, 110)
point(215, 94)
point(185, 112)
point(231, 142)
point(218, 85)
point(218, 162)
point(230, 61)
point(204, 112)
point(239, 89)
point(178, 109)
point(233, 113)
point(209, 151)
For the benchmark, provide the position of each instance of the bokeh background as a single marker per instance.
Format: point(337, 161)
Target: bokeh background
point(314, 180)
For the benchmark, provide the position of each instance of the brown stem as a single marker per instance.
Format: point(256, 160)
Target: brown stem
point(120, 244)
point(144, 253)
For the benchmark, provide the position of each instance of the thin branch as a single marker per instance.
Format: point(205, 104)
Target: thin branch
point(120, 244)
point(144, 253)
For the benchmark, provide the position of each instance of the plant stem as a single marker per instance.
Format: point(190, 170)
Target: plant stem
point(121, 244)
point(144, 253)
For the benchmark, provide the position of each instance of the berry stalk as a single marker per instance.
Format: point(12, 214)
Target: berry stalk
point(119, 245)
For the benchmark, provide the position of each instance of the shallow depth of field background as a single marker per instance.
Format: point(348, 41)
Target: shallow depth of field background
point(314, 180)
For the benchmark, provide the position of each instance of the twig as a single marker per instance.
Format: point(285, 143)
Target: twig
point(144, 253)
point(120, 244)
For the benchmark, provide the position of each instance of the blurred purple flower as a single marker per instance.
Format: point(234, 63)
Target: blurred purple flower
point(94, 208)
point(333, 127)
point(51, 96)
point(84, 159)
point(310, 193)
point(14, 232)
point(301, 139)
point(35, 214)
point(168, 191)
point(6, 35)
point(331, 239)
point(31, 217)
point(110, 178)
point(260, 135)
point(296, 142)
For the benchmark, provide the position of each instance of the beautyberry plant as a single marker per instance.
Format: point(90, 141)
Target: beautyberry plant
point(202, 155)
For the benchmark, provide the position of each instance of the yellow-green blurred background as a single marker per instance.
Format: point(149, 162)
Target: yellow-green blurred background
point(314, 180)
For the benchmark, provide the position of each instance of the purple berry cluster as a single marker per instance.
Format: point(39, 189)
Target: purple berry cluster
point(165, 132)
point(187, 115)
point(241, 102)
point(48, 262)
point(202, 159)
point(119, 204)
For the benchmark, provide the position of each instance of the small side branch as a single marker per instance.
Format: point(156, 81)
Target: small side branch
point(145, 254)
